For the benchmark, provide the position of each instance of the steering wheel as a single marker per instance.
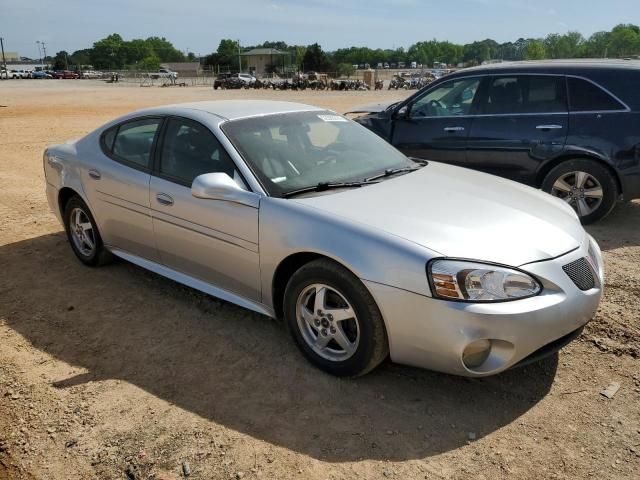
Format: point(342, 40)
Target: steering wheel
point(437, 104)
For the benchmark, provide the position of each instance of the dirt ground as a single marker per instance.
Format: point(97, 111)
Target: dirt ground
point(117, 373)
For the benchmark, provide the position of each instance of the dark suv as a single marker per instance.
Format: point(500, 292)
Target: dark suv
point(571, 128)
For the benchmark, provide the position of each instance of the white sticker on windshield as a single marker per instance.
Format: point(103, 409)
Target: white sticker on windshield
point(332, 118)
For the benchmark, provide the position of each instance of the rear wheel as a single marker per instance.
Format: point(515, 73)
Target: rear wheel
point(83, 234)
point(588, 186)
point(334, 320)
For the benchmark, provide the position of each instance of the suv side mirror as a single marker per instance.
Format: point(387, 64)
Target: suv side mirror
point(220, 186)
point(402, 112)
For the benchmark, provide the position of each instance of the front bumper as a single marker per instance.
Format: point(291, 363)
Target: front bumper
point(431, 333)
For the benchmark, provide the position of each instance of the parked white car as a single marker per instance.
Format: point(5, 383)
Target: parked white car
point(19, 74)
point(164, 73)
point(247, 78)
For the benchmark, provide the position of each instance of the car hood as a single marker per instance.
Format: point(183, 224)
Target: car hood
point(461, 213)
point(371, 108)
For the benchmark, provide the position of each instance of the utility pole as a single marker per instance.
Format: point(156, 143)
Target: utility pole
point(44, 49)
point(4, 62)
point(239, 59)
point(40, 53)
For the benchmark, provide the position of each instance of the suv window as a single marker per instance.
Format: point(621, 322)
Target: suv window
point(525, 94)
point(448, 99)
point(584, 96)
point(190, 149)
point(133, 141)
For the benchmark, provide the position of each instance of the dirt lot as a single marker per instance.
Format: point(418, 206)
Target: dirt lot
point(117, 373)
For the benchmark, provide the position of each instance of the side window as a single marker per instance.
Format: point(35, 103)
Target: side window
point(107, 140)
point(525, 94)
point(134, 140)
point(449, 99)
point(584, 96)
point(189, 150)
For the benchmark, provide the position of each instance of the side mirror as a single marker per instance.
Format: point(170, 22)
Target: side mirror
point(402, 112)
point(220, 186)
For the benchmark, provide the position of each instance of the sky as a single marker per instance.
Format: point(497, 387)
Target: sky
point(199, 25)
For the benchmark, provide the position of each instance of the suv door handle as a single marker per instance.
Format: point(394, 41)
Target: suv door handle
point(454, 129)
point(164, 199)
point(549, 127)
point(95, 174)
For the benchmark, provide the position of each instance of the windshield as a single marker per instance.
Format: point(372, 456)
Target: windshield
point(293, 151)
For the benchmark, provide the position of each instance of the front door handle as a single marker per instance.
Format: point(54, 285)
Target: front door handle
point(95, 174)
point(549, 127)
point(454, 129)
point(164, 199)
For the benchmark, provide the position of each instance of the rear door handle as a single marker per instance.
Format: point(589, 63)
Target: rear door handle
point(454, 129)
point(164, 199)
point(549, 127)
point(94, 174)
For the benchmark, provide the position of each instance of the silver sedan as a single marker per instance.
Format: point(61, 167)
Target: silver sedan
point(296, 212)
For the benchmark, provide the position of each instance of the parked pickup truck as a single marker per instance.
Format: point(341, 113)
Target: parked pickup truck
point(164, 73)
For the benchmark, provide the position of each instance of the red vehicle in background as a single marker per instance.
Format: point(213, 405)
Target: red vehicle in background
point(65, 74)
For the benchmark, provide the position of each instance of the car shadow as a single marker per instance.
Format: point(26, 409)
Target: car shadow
point(620, 229)
point(239, 369)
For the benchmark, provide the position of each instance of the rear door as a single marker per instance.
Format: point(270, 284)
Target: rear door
point(523, 122)
point(117, 186)
point(212, 240)
point(437, 123)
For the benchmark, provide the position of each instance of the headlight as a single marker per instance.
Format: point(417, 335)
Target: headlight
point(478, 282)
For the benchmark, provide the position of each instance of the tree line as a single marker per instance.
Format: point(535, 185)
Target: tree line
point(115, 53)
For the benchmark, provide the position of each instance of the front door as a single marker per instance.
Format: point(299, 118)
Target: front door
point(523, 122)
point(211, 240)
point(437, 124)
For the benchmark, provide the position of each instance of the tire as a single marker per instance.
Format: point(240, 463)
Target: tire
point(98, 255)
point(364, 330)
point(572, 179)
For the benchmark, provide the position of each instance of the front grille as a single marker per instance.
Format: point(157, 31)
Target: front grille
point(580, 273)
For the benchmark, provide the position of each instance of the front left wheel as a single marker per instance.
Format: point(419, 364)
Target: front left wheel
point(334, 319)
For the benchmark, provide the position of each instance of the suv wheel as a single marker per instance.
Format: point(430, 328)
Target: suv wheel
point(586, 185)
point(334, 320)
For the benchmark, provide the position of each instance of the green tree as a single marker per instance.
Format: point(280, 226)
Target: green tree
point(624, 40)
point(108, 53)
point(228, 53)
point(164, 49)
point(315, 59)
point(61, 61)
point(150, 63)
point(345, 69)
point(534, 50)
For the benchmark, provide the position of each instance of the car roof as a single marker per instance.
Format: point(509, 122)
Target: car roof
point(236, 109)
point(556, 66)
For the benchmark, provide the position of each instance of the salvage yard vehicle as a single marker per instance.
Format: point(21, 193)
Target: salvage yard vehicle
point(19, 74)
point(66, 74)
point(40, 74)
point(299, 213)
point(567, 127)
point(164, 73)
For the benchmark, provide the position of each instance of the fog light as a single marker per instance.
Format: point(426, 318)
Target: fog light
point(476, 353)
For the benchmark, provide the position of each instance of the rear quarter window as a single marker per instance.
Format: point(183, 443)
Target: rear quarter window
point(585, 96)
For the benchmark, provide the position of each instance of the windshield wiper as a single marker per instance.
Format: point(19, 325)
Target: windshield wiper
point(322, 186)
point(393, 171)
point(421, 161)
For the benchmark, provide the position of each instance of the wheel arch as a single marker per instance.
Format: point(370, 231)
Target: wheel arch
point(547, 167)
point(286, 268)
point(64, 195)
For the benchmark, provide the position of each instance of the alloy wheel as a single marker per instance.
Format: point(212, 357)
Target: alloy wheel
point(327, 322)
point(82, 232)
point(581, 190)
